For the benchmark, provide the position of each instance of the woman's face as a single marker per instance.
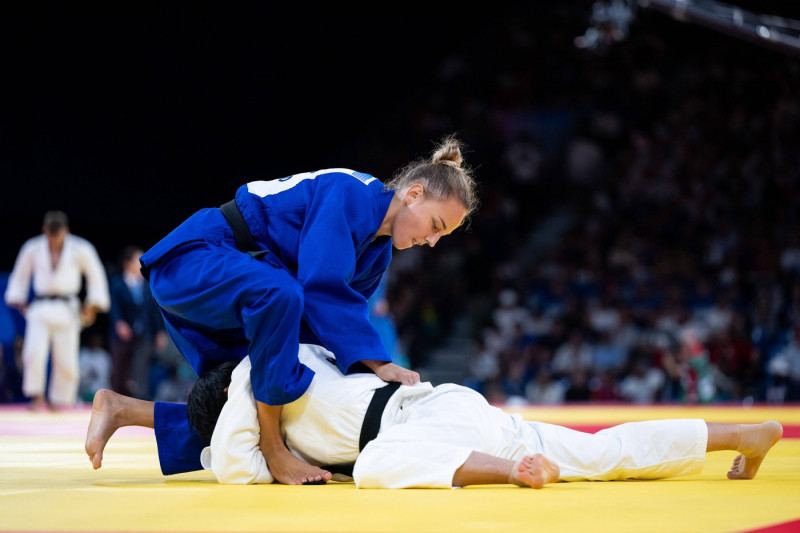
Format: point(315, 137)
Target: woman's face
point(423, 220)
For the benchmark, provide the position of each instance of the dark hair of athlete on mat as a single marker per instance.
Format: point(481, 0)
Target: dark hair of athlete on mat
point(207, 398)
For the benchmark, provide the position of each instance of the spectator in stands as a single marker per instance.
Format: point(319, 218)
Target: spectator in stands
point(136, 327)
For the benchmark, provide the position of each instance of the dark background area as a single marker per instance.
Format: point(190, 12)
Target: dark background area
point(131, 116)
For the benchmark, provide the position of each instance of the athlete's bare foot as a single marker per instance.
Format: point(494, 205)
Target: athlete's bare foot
point(111, 411)
point(102, 425)
point(289, 470)
point(534, 471)
point(756, 441)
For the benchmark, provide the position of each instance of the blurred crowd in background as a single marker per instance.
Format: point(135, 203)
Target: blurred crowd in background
point(638, 239)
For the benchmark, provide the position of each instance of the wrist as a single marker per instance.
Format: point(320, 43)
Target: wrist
point(374, 365)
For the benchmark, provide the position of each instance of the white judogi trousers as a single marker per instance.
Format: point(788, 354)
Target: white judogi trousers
point(52, 325)
point(425, 439)
point(428, 432)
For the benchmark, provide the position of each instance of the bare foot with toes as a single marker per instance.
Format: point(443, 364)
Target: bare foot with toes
point(756, 441)
point(534, 471)
point(111, 411)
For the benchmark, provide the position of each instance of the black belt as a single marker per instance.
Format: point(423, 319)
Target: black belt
point(244, 241)
point(64, 297)
point(370, 427)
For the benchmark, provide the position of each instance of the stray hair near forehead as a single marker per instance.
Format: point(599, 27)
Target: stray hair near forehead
point(443, 174)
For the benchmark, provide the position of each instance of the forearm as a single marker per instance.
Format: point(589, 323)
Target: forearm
point(282, 464)
point(374, 365)
point(270, 440)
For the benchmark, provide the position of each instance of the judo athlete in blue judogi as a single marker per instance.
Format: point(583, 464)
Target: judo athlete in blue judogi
point(290, 260)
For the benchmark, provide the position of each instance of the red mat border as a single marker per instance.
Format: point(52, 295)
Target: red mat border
point(785, 527)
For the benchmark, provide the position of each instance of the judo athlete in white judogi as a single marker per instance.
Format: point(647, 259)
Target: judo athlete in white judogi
point(429, 435)
point(55, 263)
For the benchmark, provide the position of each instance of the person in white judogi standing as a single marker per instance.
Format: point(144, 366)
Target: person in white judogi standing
point(56, 263)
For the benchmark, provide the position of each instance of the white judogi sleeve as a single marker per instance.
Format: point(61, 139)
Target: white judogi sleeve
point(234, 455)
point(19, 281)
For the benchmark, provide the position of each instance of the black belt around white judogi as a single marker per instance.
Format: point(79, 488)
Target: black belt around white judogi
point(370, 427)
point(62, 297)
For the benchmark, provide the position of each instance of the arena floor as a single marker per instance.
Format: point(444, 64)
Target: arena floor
point(48, 485)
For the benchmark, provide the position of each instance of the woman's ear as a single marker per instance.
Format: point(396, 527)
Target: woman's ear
point(414, 193)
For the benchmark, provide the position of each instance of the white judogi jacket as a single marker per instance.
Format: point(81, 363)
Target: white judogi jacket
point(78, 258)
point(321, 427)
point(428, 432)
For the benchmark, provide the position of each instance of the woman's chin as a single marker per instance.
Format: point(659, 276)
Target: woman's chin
point(401, 246)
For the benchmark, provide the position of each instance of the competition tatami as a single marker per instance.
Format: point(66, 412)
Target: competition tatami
point(48, 485)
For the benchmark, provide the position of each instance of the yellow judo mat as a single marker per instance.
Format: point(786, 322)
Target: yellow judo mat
point(48, 485)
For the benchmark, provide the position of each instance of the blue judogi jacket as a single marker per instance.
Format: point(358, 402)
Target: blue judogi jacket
point(322, 226)
point(319, 226)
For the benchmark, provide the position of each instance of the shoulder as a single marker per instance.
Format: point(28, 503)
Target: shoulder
point(349, 180)
point(81, 245)
point(76, 240)
point(32, 246)
point(358, 195)
point(33, 242)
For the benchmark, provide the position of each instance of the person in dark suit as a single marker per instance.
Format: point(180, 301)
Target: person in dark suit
point(137, 329)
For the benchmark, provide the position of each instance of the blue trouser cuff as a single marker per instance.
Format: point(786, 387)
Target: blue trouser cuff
point(179, 447)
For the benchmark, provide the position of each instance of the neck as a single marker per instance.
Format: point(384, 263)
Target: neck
point(55, 245)
point(391, 213)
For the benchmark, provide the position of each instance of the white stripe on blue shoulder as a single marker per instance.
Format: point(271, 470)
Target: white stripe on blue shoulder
point(267, 188)
point(364, 178)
